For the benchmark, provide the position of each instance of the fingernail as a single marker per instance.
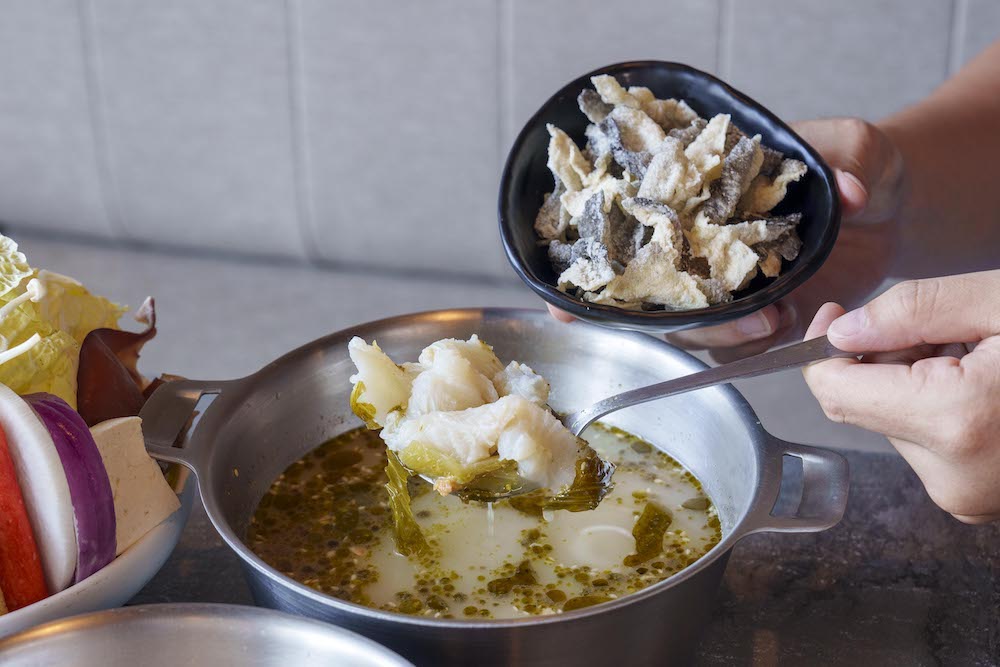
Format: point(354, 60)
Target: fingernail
point(848, 324)
point(853, 191)
point(856, 181)
point(754, 326)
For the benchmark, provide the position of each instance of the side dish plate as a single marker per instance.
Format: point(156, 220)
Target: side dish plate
point(115, 584)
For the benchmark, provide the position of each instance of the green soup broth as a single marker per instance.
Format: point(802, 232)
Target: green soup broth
point(326, 523)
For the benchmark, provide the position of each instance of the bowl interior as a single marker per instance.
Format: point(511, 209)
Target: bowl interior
point(526, 180)
point(301, 400)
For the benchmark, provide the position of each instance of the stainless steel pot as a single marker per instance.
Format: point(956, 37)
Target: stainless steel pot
point(260, 424)
point(168, 635)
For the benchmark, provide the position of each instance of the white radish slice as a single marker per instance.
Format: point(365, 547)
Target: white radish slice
point(43, 486)
point(89, 487)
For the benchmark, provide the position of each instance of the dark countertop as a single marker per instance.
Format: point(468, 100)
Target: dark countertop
point(897, 582)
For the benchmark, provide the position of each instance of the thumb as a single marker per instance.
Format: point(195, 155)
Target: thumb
point(935, 311)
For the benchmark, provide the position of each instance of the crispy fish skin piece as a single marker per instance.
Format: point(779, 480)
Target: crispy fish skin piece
point(618, 233)
point(643, 94)
point(785, 247)
point(687, 134)
point(598, 149)
point(566, 162)
point(728, 248)
point(778, 225)
point(788, 246)
point(552, 219)
point(771, 254)
point(712, 289)
point(613, 188)
point(592, 106)
point(653, 277)
point(612, 92)
point(740, 167)
point(591, 270)
point(772, 161)
point(697, 266)
point(637, 131)
point(680, 176)
point(668, 113)
point(660, 218)
point(598, 142)
point(708, 148)
point(667, 174)
point(634, 162)
point(599, 298)
point(704, 156)
point(595, 221)
point(733, 136)
point(772, 158)
point(769, 264)
point(633, 137)
point(561, 255)
point(733, 263)
point(765, 193)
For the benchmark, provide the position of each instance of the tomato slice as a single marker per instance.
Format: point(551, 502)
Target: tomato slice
point(21, 577)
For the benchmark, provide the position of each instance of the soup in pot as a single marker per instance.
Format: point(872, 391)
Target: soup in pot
point(326, 522)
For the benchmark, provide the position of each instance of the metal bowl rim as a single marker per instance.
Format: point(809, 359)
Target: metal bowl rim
point(191, 611)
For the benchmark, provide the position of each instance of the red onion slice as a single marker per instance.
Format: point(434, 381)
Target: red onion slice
point(89, 487)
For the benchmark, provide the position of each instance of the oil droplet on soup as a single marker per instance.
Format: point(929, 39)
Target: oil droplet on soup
point(325, 522)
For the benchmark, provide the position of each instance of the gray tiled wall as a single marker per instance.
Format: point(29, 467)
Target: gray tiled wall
point(194, 98)
point(976, 26)
point(849, 57)
point(49, 169)
point(373, 132)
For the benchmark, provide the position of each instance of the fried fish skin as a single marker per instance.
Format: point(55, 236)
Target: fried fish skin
point(656, 164)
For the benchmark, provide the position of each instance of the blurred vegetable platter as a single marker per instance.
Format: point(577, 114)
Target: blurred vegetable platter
point(76, 485)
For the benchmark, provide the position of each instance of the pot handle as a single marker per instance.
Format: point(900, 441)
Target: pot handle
point(825, 482)
point(166, 416)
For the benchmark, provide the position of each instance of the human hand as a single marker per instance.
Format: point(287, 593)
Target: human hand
point(869, 174)
point(938, 402)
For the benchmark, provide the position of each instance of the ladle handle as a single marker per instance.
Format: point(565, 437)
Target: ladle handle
point(792, 356)
point(167, 416)
point(825, 482)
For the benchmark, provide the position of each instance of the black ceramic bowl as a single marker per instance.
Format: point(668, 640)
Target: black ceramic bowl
point(526, 180)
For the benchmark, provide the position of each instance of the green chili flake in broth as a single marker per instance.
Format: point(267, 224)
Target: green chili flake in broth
point(592, 482)
point(523, 576)
point(328, 523)
point(699, 503)
point(648, 533)
point(406, 531)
